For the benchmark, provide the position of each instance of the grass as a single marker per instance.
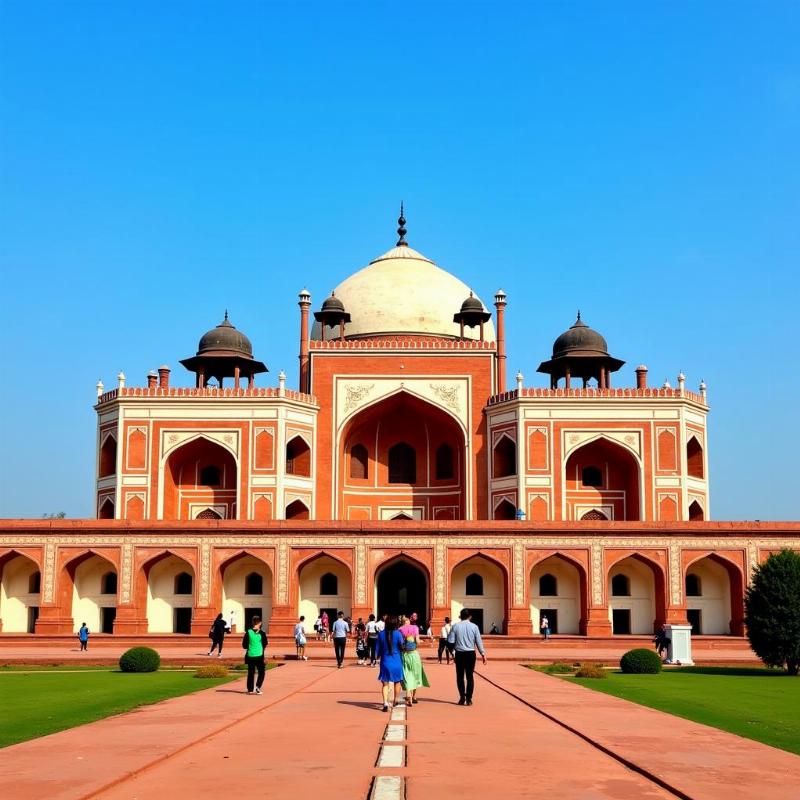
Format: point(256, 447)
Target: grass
point(36, 703)
point(758, 704)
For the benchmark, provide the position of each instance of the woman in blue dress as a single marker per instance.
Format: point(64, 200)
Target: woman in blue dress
point(389, 651)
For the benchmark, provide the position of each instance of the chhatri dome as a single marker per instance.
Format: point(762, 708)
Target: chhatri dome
point(404, 292)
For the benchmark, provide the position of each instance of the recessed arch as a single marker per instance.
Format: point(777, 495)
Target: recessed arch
point(106, 510)
point(643, 609)
point(89, 588)
point(311, 602)
point(504, 457)
point(567, 609)
point(696, 512)
point(246, 589)
point(298, 456)
point(108, 457)
point(621, 479)
point(359, 462)
point(184, 492)
point(19, 607)
point(719, 608)
point(504, 509)
point(402, 586)
point(480, 583)
point(402, 463)
point(695, 466)
point(168, 611)
point(297, 509)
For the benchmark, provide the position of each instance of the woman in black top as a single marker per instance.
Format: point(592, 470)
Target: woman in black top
point(217, 634)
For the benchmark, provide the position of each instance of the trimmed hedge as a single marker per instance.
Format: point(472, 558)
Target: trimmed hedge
point(640, 661)
point(212, 671)
point(140, 659)
point(590, 670)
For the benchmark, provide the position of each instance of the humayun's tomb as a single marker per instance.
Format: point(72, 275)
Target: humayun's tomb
point(404, 473)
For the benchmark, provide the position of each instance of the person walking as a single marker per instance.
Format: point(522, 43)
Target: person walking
point(413, 672)
point(444, 647)
point(325, 625)
point(372, 639)
point(318, 628)
point(83, 636)
point(361, 642)
point(388, 650)
point(545, 627)
point(254, 643)
point(465, 636)
point(300, 639)
point(217, 634)
point(339, 634)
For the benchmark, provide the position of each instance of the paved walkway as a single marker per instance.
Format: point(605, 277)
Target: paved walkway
point(318, 732)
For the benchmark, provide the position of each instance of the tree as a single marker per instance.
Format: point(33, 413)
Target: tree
point(56, 515)
point(772, 611)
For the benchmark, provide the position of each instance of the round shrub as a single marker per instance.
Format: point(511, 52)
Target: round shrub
point(640, 662)
point(591, 671)
point(140, 659)
point(212, 671)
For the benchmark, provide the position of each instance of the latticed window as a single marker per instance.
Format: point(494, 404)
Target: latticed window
point(594, 514)
point(208, 513)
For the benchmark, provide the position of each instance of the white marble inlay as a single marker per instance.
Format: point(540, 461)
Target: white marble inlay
point(392, 755)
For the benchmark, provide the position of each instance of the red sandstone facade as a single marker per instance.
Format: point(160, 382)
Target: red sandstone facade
point(403, 474)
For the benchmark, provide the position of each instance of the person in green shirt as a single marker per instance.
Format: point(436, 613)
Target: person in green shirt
point(254, 643)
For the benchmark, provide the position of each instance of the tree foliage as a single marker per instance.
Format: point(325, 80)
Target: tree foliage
point(772, 611)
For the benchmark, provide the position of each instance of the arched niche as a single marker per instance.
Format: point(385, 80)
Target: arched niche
point(311, 601)
point(480, 584)
point(558, 590)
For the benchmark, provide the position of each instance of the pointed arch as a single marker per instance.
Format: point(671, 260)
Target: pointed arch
point(727, 614)
point(107, 465)
point(311, 601)
point(297, 509)
point(298, 456)
point(230, 592)
point(359, 462)
point(696, 512)
point(695, 467)
point(645, 606)
point(403, 585)
point(567, 610)
point(504, 457)
point(504, 509)
point(480, 583)
point(19, 606)
point(107, 509)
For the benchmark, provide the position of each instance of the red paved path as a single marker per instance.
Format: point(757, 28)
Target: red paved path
point(318, 734)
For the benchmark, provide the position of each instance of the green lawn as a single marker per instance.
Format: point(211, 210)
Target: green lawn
point(37, 703)
point(757, 703)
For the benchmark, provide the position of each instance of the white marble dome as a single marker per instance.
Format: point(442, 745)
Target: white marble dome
point(403, 292)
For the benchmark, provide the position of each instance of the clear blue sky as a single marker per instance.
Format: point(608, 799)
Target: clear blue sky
point(160, 162)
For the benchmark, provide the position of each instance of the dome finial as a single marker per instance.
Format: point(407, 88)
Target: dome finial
point(226, 314)
point(579, 316)
point(401, 230)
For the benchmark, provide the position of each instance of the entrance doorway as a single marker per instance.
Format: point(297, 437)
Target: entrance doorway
point(621, 620)
point(107, 616)
point(249, 613)
point(33, 615)
point(695, 618)
point(183, 620)
point(477, 618)
point(552, 619)
point(403, 589)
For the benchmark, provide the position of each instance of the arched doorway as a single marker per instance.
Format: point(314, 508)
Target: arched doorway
point(170, 595)
point(401, 587)
point(94, 593)
point(246, 590)
point(200, 476)
point(402, 453)
point(558, 591)
point(325, 584)
point(635, 591)
point(714, 593)
point(602, 477)
point(20, 592)
point(479, 585)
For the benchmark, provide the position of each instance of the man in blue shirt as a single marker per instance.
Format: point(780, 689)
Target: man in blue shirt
point(340, 630)
point(465, 636)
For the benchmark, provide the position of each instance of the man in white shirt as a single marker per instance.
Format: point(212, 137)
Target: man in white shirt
point(444, 647)
point(372, 639)
point(340, 630)
point(300, 639)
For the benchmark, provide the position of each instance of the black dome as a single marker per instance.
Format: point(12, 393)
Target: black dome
point(333, 303)
point(471, 304)
point(580, 338)
point(225, 337)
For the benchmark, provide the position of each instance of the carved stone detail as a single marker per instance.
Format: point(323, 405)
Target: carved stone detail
point(49, 572)
point(283, 572)
point(204, 596)
point(126, 574)
point(361, 573)
point(355, 394)
point(440, 568)
point(519, 574)
point(675, 574)
point(448, 395)
point(597, 573)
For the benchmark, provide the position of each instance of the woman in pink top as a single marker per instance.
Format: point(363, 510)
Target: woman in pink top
point(413, 672)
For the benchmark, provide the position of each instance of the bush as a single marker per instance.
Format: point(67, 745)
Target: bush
point(640, 661)
point(559, 668)
point(139, 659)
point(591, 671)
point(212, 671)
point(772, 611)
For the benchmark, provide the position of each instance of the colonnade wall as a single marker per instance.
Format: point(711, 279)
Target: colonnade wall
point(588, 579)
